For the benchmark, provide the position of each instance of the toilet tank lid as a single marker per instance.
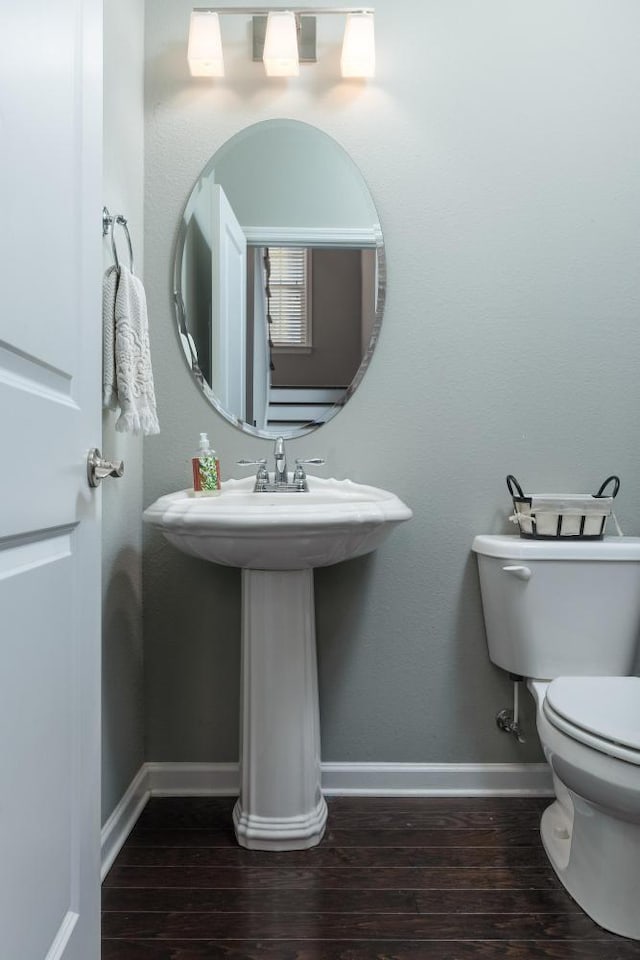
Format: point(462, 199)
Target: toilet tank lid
point(510, 547)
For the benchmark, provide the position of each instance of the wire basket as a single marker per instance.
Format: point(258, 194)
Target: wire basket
point(562, 517)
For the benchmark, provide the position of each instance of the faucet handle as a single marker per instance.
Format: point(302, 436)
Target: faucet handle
point(262, 477)
point(299, 475)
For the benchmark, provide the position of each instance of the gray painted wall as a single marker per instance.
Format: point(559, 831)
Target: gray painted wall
point(122, 660)
point(501, 145)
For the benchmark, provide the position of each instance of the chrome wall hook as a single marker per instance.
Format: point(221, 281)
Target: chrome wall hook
point(109, 222)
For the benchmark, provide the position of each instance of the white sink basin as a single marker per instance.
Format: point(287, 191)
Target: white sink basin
point(334, 521)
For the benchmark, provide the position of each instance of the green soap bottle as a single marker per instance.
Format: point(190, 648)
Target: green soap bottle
point(206, 470)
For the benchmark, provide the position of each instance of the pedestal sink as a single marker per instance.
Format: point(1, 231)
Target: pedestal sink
point(277, 539)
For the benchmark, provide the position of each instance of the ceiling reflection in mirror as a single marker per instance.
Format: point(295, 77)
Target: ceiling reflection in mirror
point(279, 279)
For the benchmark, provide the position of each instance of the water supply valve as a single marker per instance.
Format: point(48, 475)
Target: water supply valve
point(506, 721)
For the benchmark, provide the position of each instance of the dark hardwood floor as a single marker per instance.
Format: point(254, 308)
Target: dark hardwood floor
point(393, 879)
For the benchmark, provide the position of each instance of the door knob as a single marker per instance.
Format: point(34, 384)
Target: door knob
point(98, 469)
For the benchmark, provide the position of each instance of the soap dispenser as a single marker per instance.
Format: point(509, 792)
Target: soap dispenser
point(206, 470)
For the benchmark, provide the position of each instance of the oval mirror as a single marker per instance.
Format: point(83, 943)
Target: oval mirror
point(279, 279)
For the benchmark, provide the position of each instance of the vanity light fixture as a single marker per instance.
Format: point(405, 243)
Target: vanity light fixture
point(359, 47)
point(205, 45)
point(280, 53)
point(283, 38)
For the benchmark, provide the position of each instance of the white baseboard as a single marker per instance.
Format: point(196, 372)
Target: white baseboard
point(123, 819)
point(338, 779)
point(193, 779)
point(437, 779)
point(369, 779)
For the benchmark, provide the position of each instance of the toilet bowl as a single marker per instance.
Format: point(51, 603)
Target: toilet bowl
point(589, 728)
point(567, 618)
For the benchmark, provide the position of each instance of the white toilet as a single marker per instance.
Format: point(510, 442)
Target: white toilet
point(566, 615)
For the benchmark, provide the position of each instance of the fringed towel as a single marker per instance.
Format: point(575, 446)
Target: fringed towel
point(109, 390)
point(127, 375)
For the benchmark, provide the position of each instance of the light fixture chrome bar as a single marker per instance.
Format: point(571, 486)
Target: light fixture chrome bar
point(301, 11)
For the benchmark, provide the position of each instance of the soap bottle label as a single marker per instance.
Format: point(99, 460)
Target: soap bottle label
point(206, 475)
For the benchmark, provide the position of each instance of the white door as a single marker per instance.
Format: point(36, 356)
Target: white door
point(50, 243)
point(261, 352)
point(228, 310)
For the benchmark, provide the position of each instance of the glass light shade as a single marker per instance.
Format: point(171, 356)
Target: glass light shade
point(281, 45)
point(359, 46)
point(205, 45)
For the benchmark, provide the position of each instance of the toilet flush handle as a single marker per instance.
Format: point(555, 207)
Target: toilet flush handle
point(522, 573)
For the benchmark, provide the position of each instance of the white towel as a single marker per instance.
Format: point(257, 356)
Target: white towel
point(127, 375)
point(109, 389)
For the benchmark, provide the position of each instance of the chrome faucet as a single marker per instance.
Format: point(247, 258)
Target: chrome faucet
point(281, 481)
point(280, 458)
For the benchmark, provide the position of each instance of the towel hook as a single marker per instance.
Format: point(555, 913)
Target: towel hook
point(109, 222)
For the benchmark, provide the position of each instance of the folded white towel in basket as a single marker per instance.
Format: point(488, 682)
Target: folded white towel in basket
point(127, 376)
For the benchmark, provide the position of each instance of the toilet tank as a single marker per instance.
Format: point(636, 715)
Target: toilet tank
point(554, 608)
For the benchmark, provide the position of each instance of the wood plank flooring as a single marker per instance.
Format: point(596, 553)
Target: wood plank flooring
point(393, 879)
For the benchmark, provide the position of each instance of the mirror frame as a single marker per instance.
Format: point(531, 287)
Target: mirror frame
point(181, 322)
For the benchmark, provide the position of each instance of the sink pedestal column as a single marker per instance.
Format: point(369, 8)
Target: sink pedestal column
point(281, 806)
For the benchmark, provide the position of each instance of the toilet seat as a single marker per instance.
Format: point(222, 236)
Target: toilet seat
point(601, 712)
